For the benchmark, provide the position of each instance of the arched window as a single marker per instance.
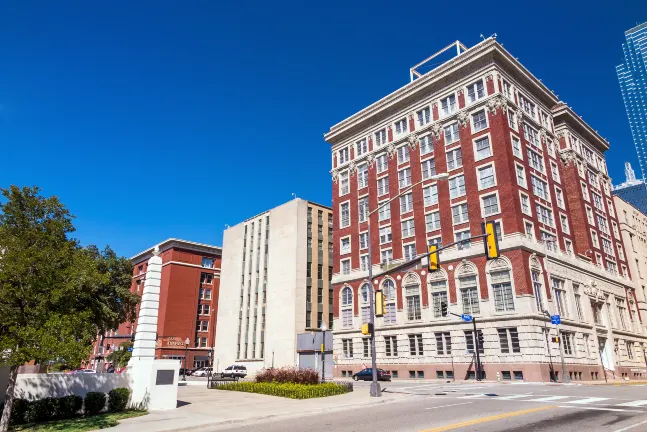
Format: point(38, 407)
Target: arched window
point(412, 295)
point(347, 307)
point(501, 281)
point(364, 302)
point(467, 276)
point(537, 282)
point(438, 289)
point(388, 287)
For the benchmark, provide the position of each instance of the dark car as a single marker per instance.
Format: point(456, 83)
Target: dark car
point(367, 375)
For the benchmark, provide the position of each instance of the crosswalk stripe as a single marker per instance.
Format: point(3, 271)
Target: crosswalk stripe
point(471, 396)
point(588, 400)
point(547, 399)
point(513, 396)
point(635, 403)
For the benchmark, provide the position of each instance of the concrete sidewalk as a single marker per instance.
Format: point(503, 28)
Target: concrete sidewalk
point(202, 409)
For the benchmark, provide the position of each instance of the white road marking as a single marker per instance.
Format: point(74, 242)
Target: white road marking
point(631, 427)
point(451, 405)
point(598, 408)
point(513, 396)
point(635, 403)
point(588, 400)
point(547, 399)
point(472, 396)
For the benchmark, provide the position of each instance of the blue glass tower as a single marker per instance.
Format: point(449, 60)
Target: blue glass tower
point(632, 75)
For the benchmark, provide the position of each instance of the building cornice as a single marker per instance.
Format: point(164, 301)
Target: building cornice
point(563, 114)
point(179, 244)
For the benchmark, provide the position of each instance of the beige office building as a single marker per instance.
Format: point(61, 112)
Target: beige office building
point(275, 284)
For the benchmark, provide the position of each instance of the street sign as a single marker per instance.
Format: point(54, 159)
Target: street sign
point(466, 317)
point(555, 319)
point(130, 349)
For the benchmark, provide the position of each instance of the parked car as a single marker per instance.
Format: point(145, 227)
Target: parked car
point(235, 371)
point(367, 375)
point(202, 372)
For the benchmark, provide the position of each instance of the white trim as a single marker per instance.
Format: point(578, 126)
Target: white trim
point(525, 177)
point(478, 169)
point(479, 138)
point(512, 138)
point(350, 221)
point(488, 194)
point(487, 120)
point(521, 193)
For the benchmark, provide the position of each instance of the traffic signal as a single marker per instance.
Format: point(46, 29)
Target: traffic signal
point(379, 303)
point(443, 309)
point(367, 329)
point(490, 241)
point(480, 338)
point(433, 258)
point(556, 339)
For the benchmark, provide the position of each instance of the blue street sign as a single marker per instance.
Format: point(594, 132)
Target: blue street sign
point(130, 349)
point(555, 319)
point(466, 317)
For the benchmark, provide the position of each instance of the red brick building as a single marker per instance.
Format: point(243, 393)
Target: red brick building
point(188, 303)
point(517, 156)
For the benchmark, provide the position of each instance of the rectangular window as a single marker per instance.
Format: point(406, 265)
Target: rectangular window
point(531, 135)
point(539, 187)
point(345, 266)
point(475, 91)
point(456, 186)
point(345, 246)
point(525, 204)
point(448, 105)
point(527, 106)
point(403, 154)
point(385, 235)
point(512, 121)
point(430, 195)
point(451, 133)
point(380, 137)
point(408, 229)
point(366, 348)
point(428, 168)
point(363, 240)
point(567, 342)
point(409, 251)
point(415, 345)
point(345, 215)
point(343, 155)
point(438, 297)
point(362, 209)
point(401, 126)
point(432, 221)
point(483, 148)
point(454, 159)
point(404, 177)
point(554, 171)
point(530, 231)
point(363, 261)
point(507, 91)
point(384, 212)
point(362, 176)
point(602, 224)
point(589, 215)
point(459, 213)
point(362, 147)
point(383, 186)
point(490, 205)
point(469, 295)
point(462, 235)
point(521, 176)
point(479, 120)
point(585, 192)
point(424, 116)
point(502, 289)
point(426, 145)
point(206, 278)
point(535, 160)
point(347, 320)
point(564, 223)
point(560, 296)
point(509, 339)
point(469, 341)
point(391, 346)
point(559, 196)
point(344, 183)
point(347, 348)
point(386, 256)
point(206, 262)
point(406, 203)
point(486, 177)
point(382, 162)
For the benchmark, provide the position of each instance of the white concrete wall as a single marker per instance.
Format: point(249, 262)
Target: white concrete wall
point(38, 386)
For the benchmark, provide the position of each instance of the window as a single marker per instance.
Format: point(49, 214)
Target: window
point(560, 296)
point(454, 159)
point(430, 195)
point(345, 266)
point(460, 236)
point(362, 147)
point(531, 135)
point(602, 224)
point(412, 296)
point(527, 106)
point(554, 171)
point(364, 302)
point(551, 147)
point(383, 186)
point(408, 229)
point(621, 253)
point(409, 251)
point(362, 176)
point(389, 297)
point(344, 184)
point(469, 295)
point(535, 160)
point(630, 350)
point(578, 302)
point(382, 163)
point(386, 256)
point(447, 348)
point(567, 342)
point(610, 207)
point(366, 351)
point(475, 91)
point(362, 209)
point(438, 297)
point(390, 346)
point(502, 288)
point(512, 121)
point(404, 177)
point(490, 205)
point(486, 177)
point(206, 262)
point(525, 204)
point(406, 203)
point(507, 90)
point(207, 294)
point(469, 342)
point(594, 238)
point(597, 201)
point(385, 235)
point(426, 145)
point(549, 240)
point(345, 215)
point(415, 344)
point(456, 186)
point(432, 221)
point(589, 215)
point(529, 229)
point(479, 121)
point(403, 154)
point(363, 241)
point(483, 148)
point(343, 155)
point(607, 246)
point(568, 246)
point(401, 126)
point(448, 105)
point(380, 137)
point(202, 326)
point(616, 234)
point(347, 308)
point(206, 278)
point(428, 168)
point(424, 116)
point(345, 246)
point(347, 348)
point(521, 176)
point(451, 133)
point(384, 212)
point(204, 309)
point(516, 147)
point(509, 338)
point(539, 187)
point(537, 287)
point(585, 192)
point(559, 196)
point(459, 213)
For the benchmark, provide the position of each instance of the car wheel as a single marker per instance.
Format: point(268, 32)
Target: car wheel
point(355, 377)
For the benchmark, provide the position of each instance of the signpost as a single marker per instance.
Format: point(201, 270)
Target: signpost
point(555, 319)
point(466, 317)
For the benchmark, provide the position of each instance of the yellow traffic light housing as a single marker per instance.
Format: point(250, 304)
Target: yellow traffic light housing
point(433, 258)
point(367, 329)
point(490, 241)
point(380, 305)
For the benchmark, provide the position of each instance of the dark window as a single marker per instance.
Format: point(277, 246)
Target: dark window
point(320, 272)
point(440, 374)
point(505, 375)
point(319, 319)
point(329, 274)
point(308, 319)
point(206, 278)
point(518, 375)
point(309, 270)
point(320, 295)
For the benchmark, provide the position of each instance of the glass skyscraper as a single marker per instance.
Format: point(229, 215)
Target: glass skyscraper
point(632, 75)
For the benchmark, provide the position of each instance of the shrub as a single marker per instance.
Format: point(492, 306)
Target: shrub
point(42, 410)
point(288, 375)
point(118, 399)
point(95, 402)
point(288, 390)
point(18, 411)
point(69, 406)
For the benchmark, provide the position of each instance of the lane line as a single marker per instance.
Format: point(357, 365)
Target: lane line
point(451, 405)
point(547, 399)
point(513, 397)
point(488, 419)
point(631, 427)
point(588, 400)
point(472, 396)
point(598, 408)
point(635, 403)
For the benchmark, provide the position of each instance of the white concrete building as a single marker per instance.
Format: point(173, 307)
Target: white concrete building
point(270, 274)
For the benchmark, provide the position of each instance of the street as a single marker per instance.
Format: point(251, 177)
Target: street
point(435, 407)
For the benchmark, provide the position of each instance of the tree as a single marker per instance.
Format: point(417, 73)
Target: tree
point(120, 357)
point(55, 295)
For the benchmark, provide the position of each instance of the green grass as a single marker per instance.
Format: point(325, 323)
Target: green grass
point(80, 424)
point(287, 390)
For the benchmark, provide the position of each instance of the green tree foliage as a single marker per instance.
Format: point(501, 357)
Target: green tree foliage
point(55, 295)
point(121, 357)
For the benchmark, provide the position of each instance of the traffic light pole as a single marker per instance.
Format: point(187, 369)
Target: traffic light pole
point(375, 385)
point(476, 349)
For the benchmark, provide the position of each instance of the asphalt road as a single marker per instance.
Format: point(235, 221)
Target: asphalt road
point(433, 407)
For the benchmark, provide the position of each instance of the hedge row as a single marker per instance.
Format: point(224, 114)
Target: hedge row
point(287, 390)
point(288, 375)
point(25, 411)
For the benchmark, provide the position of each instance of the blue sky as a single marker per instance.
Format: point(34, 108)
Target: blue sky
point(171, 119)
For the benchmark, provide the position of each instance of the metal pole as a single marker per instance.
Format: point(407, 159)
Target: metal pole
point(323, 358)
point(550, 355)
point(375, 386)
point(565, 378)
point(476, 349)
point(186, 352)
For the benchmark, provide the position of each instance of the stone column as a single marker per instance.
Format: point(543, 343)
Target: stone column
point(146, 334)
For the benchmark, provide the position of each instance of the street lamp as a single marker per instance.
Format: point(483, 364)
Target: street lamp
point(186, 351)
point(375, 386)
point(323, 328)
